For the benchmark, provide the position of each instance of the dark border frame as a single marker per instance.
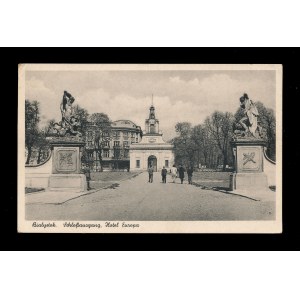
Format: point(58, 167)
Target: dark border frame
point(288, 57)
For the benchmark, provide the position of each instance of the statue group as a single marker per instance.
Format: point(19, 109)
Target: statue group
point(248, 126)
point(69, 124)
point(67, 147)
point(248, 150)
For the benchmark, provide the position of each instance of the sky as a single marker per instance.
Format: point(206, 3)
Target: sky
point(178, 95)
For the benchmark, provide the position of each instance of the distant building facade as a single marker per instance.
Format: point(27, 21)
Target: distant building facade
point(114, 147)
point(152, 149)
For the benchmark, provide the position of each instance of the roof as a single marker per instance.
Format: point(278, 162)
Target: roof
point(124, 124)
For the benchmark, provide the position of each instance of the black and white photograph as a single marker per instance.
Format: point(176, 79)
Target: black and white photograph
point(137, 148)
point(156, 150)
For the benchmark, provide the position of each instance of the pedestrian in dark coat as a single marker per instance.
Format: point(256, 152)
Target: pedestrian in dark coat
point(150, 172)
point(181, 173)
point(189, 172)
point(87, 173)
point(164, 174)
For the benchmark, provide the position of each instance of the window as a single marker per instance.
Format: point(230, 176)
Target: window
point(125, 133)
point(105, 134)
point(126, 153)
point(116, 134)
point(106, 153)
point(117, 153)
point(125, 144)
point(166, 163)
point(106, 144)
point(116, 143)
point(90, 143)
point(132, 134)
point(138, 163)
point(136, 140)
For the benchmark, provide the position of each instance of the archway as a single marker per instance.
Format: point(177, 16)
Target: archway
point(152, 161)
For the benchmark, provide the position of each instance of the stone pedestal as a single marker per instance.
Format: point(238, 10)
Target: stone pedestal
point(67, 182)
point(249, 169)
point(66, 165)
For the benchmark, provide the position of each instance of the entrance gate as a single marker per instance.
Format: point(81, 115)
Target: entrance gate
point(152, 161)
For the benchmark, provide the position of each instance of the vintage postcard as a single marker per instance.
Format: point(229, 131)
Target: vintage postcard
point(137, 148)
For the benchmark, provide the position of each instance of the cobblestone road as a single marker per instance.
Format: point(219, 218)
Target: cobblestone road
point(137, 200)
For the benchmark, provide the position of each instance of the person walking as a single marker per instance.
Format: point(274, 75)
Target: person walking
point(181, 173)
point(87, 173)
point(150, 172)
point(174, 173)
point(189, 172)
point(164, 174)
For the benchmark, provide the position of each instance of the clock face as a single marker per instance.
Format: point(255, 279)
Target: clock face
point(152, 122)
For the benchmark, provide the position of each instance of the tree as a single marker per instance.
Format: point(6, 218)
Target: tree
point(102, 134)
point(100, 119)
point(268, 123)
point(32, 118)
point(184, 146)
point(219, 126)
point(183, 128)
point(117, 155)
point(201, 137)
point(42, 143)
point(82, 115)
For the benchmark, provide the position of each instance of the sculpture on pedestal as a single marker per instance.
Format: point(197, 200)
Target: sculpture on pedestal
point(248, 126)
point(248, 145)
point(67, 146)
point(69, 124)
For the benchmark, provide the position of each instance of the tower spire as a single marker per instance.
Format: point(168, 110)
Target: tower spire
point(152, 100)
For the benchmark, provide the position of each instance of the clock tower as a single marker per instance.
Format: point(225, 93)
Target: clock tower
point(151, 124)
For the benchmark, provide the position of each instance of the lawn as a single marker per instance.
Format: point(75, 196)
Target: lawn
point(112, 176)
point(104, 179)
point(212, 179)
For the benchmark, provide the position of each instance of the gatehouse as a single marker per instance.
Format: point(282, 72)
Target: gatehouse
point(152, 150)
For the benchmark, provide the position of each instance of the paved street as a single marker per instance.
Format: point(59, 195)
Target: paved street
point(137, 200)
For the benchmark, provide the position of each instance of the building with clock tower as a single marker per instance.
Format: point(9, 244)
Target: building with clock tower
point(152, 149)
